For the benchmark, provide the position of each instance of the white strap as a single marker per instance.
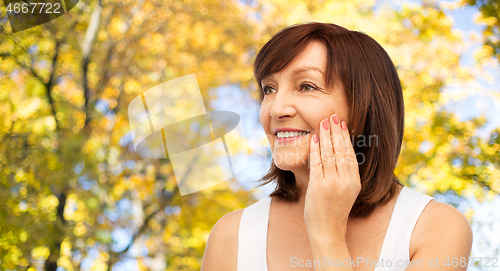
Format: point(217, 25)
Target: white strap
point(396, 246)
point(252, 236)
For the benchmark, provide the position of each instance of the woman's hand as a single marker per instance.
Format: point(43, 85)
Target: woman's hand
point(334, 182)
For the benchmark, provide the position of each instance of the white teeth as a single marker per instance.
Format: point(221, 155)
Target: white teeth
point(290, 134)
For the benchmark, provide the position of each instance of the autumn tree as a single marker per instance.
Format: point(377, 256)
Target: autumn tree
point(70, 179)
point(68, 168)
point(490, 16)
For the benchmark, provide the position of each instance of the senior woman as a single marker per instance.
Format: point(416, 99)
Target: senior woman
point(332, 108)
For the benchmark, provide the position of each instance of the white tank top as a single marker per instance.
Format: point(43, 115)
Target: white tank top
point(252, 234)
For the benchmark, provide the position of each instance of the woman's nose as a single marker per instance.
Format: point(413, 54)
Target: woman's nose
point(282, 106)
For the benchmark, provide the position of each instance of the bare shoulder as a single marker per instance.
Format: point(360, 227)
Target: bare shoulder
point(442, 232)
point(221, 252)
point(442, 221)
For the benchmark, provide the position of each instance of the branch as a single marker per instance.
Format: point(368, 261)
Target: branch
point(60, 208)
point(24, 66)
point(144, 226)
point(111, 50)
point(50, 84)
point(87, 45)
point(105, 77)
point(51, 262)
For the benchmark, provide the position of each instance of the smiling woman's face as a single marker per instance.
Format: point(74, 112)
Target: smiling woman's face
point(296, 99)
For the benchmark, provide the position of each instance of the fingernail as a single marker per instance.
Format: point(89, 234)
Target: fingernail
point(336, 119)
point(315, 138)
point(326, 123)
point(344, 126)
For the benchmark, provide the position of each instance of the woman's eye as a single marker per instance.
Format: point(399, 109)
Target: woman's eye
point(268, 90)
point(307, 87)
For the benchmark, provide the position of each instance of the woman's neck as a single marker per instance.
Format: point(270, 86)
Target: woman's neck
point(302, 181)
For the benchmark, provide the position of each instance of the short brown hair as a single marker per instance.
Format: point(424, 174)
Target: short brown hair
point(375, 98)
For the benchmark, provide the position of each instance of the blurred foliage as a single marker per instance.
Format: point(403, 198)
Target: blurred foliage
point(70, 180)
point(490, 17)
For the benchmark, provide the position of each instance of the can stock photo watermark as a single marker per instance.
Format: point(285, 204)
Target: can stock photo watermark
point(171, 121)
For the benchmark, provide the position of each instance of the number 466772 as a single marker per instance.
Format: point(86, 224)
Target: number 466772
point(32, 8)
point(473, 261)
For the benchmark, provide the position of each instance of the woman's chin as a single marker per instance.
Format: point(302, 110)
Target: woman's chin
point(290, 160)
point(291, 166)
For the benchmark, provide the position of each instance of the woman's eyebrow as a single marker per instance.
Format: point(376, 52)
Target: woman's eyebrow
point(295, 72)
point(307, 68)
point(266, 80)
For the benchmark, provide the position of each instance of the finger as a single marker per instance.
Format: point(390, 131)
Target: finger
point(351, 155)
point(339, 147)
point(315, 165)
point(326, 149)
